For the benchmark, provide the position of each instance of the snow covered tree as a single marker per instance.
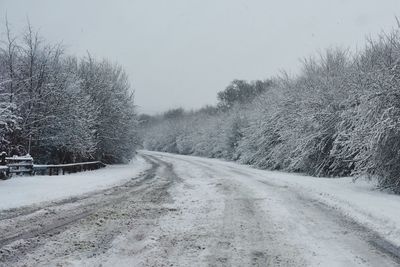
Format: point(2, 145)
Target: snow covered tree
point(9, 119)
point(109, 92)
point(62, 108)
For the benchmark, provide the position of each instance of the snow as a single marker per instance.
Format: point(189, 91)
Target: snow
point(218, 213)
point(15, 157)
point(359, 200)
point(26, 190)
point(65, 165)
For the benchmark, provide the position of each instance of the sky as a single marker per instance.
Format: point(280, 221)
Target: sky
point(180, 53)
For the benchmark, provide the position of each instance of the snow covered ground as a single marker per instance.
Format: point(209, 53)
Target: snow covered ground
point(26, 190)
point(359, 200)
point(191, 211)
point(318, 220)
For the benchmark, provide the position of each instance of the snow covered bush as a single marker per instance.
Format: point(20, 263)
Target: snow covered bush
point(370, 132)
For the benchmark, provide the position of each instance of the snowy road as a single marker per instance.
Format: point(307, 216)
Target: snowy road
point(188, 211)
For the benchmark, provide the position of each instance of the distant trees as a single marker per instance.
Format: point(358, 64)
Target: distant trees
point(339, 116)
point(68, 109)
point(241, 92)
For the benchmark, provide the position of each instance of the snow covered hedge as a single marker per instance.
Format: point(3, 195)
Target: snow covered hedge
point(72, 109)
point(340, 116)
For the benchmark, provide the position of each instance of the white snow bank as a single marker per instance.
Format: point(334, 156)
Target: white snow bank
point(26, 190)
point(358, 200)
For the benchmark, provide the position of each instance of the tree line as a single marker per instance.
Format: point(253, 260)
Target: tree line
point(62, 108)
point(340, 116)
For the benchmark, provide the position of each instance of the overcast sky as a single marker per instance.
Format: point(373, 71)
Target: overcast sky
point(182, 52)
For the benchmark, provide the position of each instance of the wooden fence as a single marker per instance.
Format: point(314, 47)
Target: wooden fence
point(33, 169)
point(67, 168)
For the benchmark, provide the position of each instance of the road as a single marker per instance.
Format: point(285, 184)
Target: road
point(187, 211)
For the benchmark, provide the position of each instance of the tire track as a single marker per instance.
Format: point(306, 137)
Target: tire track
point(32, 228)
